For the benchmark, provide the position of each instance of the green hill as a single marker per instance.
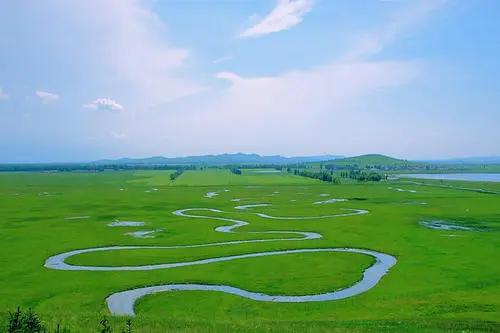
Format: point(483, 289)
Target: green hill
point(375, 161)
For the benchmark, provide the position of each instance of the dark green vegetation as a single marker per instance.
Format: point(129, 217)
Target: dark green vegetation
point(28, 321)
point(386, 164)
point(362, 175)
point(323, 175)
point(443, 281)
point(25, 322)
point(177, 173)
point(236, 171)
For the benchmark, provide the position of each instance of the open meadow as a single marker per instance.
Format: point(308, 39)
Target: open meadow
point(388, 256)
point(251, 166)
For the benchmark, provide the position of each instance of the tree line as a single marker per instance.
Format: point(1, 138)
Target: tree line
point(236, 171)
point(361, 175)
point(326, 176)
point(177, 173)
point(75, 167)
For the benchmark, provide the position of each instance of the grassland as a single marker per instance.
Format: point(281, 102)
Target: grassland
point(443, 281)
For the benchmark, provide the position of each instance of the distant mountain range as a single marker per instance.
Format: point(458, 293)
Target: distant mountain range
point(241, 158)
point(222, 159)
point(468, 160)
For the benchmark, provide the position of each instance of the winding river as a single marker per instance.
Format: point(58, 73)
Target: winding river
point(122, 303)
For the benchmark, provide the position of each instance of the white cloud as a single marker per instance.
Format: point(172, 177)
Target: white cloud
point(222, 59)
point(328, 105)
point(134, 48)
point(286, 14)
point(406, 18)
point(104, 104)
point(333, 106)
point(47, 97)
point(318, 104)
point(229, 76)
point(318, 110)
point(119, 46)
point(3, 95)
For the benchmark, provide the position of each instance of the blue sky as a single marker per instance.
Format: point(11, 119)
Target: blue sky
point(84, 80)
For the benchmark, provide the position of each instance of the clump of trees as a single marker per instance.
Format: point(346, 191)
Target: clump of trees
point(236, 171)
point(177, 173)
point(322, 175)
point(362, 175)
point(28, 321)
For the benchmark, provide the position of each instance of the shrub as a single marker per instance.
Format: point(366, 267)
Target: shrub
point(29, 322)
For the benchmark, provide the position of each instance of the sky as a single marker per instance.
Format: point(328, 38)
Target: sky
point(90, 79)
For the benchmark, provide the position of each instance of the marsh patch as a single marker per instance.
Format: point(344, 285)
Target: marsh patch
point(422, 203)
point(126, 224)
point(143, 234)
point(329, 201)
point(445, 225)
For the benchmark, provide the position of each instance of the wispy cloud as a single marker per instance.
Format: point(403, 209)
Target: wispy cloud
point(222, 59)
point(47, 97)
point(273, 114)
point(286, 14)
point(324, 98)
point(229, 76)
point(327, 104)
point(3, 95)
point(408, 17)
point(153, 70)
point(104, 104)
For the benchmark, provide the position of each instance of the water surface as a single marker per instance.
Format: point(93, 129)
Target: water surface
point(478, 177)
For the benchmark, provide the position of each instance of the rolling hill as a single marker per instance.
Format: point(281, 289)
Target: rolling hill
point(373, 161)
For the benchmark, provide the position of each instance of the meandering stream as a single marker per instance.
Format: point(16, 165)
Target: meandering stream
point(122, 303)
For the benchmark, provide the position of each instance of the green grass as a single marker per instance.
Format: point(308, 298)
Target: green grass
point(153, 178)
point(312, 273)
point(225, 177)
point(440, 283)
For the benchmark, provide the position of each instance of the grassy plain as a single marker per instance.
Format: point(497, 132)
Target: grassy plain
point(443, 281)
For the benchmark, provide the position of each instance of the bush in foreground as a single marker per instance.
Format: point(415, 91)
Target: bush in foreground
point(21, 321)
